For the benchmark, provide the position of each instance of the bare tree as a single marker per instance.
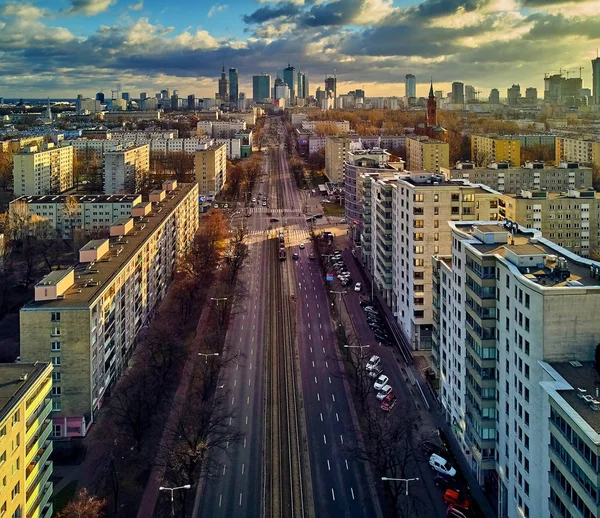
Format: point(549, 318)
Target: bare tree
point(237, 254)
point(84, 506)
point(6, 170)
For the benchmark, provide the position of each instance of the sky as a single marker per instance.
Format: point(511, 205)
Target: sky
point(61, 48)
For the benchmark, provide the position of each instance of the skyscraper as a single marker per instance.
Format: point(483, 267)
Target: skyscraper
point(331, 86)
point(100, 97)
point(596, 80)
point(223, 94)
point(233, 85)
point(470, 93)
point(143, 96)
point(513, 94)
point(261, 87)
point(191, 104)
point(458, 93)
point(303, 85)
point(290, 80)
point(410, 84)
point(494, 96)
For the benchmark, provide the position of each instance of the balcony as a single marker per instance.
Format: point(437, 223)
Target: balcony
point(40, 494)
point(483, 272)
point(481, 292)
point(35, 422)
point(36, 467)
point(37, 441)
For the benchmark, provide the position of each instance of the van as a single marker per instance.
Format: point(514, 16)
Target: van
point(441, 465)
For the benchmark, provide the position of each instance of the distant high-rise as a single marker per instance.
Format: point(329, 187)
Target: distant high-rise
point(513, 94)
point(494, 96)
point(359, 95)
point(261, 87)
point(303, 85)
point(531, 94)
point(233, 85)
point(191, 101)
point(470, 94)
point(331, 86)
point(125, 96)
point(100, 97)
point(165, 94)
point(596, 80)
point(289, 78)
point(143, 96)
point(458, 93)
point(410, 84)
point(223, 94)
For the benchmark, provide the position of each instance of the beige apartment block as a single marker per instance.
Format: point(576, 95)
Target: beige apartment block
point(125, 168)
point(47, 170)
point(336, 153)
point(85, 320)
point(585, 152)
point(210, 165)
point(426, 154)
point(570, 219)
point(26, 396)
point(90, 212)
point(487, 149)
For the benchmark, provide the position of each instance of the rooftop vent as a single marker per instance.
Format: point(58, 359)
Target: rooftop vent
point(23, 377)
point(575, 363)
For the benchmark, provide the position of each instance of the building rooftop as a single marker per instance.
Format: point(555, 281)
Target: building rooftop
point(15, 380)
point(537, 259)
point(588, 194)
point(91, 278)
point(81, 198)
point(126, 148)
point(582, 376)
point(425, 139)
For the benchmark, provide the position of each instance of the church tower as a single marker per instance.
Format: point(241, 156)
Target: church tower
point(431, 108)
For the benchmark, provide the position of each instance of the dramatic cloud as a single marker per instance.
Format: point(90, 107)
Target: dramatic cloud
point(264, 14)
point(89, 7)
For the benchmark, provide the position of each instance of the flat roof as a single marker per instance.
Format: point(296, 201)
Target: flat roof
point(584, 377)
point(554, 195)
point(124, 149)
point(54, 277)
point(94, 244)
point(81, 198)
point(12, 387)
point(91, 280)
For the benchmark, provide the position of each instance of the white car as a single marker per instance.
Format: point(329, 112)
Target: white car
point(441, 465)
point(254, 200)
point(357, 286)
point(343, 220)
point(375, 372)
point(301, 246)
point(383, 392)
point(226, 206)
point(264, 203)
point(381, 382)
point(373, 362)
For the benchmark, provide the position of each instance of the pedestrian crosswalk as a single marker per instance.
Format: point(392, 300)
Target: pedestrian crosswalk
point(274, 212)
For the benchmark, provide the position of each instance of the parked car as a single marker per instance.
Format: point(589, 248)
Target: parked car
point(441, 465)
point(456, 512)
point(373, 362)
point(381, 382)
point(295, 255)
point(443, 481)
point(457, 499)
point(375, 372)
point(226, 206)
point(273, 220)
point(357, 286)
point(311, 257)
point(301, 246)
point(389, 402)
point(343, 220)
point(429, 448)
point(264, 203)
point(385, 390)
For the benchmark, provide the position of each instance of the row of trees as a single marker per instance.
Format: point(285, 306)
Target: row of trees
point(242, 176)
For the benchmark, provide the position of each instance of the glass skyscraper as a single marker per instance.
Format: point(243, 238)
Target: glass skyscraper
point(233, 85)
point(261, 87)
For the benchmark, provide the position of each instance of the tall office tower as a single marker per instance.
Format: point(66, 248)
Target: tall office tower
point(223, 94)
point(175, 101)
point(431, 108)
point(596, 80)
point(303, 85)
point(261, 87)
point(494, 96)
point(531, 94)
point(359, 95)
point(176, 92)
point(125, 96)
point(233, 85)
point(289, 77)
point(100, 97)
point(513, 94)
point(331, 86)
point(470, 93)
point(164, 94)
point(410, 86)
point(191, 102)
point(143, 96)
point(458, 93)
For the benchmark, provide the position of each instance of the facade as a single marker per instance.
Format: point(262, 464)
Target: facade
point(426, 154)
point(343, 126)
point(126, 168)
point(486, 149)
point(586, 152)
point(596, 80)
point(210, 165)
point(506, 300)
point(410, 86)
point(226, 128)
point(570, 219)
point(336, 151)
point(458, 93)
point(532, 176)
point(223, 94)
point(89, 212)
point(26, 468)
point(303, 87)
point(261, 87)
point(289, 78)
point(85, 320)
point(47, 170)
point(494, 96)
point(233, 85)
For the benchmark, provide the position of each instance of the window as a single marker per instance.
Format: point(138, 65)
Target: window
point(527, 301)
point(16, 490)
point(55, 346)
point(55, 331)
point(419, 249)
point(418, 197)
point(419, 262)
point(3, 458)
point(56, 391)
point(16, 417)
point(56, 404)
point(56, 430)
point(3, 431)
point(56, 376)
point(436, 223)
point(56, 360)
point(17, 513)
point(55, 316)
point(3, 508)
point(436, 198)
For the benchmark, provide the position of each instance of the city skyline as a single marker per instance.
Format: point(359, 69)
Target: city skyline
point(84, 46)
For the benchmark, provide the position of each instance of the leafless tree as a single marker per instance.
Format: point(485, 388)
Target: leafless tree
point(84, 505)
point(237, 254)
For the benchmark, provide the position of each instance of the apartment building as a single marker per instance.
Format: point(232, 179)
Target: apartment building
point(210, 166)
point(90, 212)
point(570, 219)
point(84, 320)
point(342, 126)
point(25, 445)
point(426, 154)
point(486, 149)
point(125, 168)
point(220, 128)
point(532, 176)
point(336, 151)
point(506, 300)
point(46, 170)
point(584, 151)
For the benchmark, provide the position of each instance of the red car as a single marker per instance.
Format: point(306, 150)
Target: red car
point(457, 499)
point(389, 402)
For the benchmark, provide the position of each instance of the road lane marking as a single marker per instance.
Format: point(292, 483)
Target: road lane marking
point(251, 351)
point(315, 379)
point(326, 364)
point(321, 414)
point(232, 400)
point(341, 439)
point(311, 350)
point(324, 350)
point(313, 363)
point(240, 338)
point(309, 322)
point(224, 466)
point(243, 465)
point(249, 381)
point(220, 500)
point(333, 397)
point(241, 498)
point(246, 419)
point(337, 417)
point(248, 400)
point(319, 315)
point(324, 439)
point(234, 383)
point(333, 493)
point(329, 379)
point(321, 337)
point(328, 465)
point(310, 337)
point(244, 443)
point(346, 461)
point(320, 326)
point(318, 397)
point(352, 491)
point(317, 306)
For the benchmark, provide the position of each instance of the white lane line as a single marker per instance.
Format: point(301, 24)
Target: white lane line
point(309, 325)
point(232, 400)
point(341, 439)
point(311, 350)
point(243, 465)
point(220, 500)
point(321, 337)
point(248, 400)
point(319, 315)
point(328, 465)
point(329, 379)
point(352, 491)
point(346, 461)
point(320, 326)
point(337, 417)
point(241, 498)
point(333, 493)
point(240, 338)
point(333, 397)
point(321, 414)
point(244, 443)
point(224, 466)
point(318, 397)
point(326, 364)
point(324, 439)
point(313, 363)
point(309, 337)
point(251, 351)
point(230, 420)
point(253, 339)
point(324, 350)
point(317, 306)
point(242, 328)
point(250, 366)
point(246, 419)
point(248, 382)
point(315, 379)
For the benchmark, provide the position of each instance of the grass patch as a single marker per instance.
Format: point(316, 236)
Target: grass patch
point(64, 496)
point(333, 209)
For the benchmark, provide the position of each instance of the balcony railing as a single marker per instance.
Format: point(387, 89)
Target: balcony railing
point(36, 420)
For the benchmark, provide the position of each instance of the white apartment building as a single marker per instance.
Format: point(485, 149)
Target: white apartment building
point(90, 212)
point(125, 169)
point(221, 128)
point(85, 320)
point(342, 126)
point(580, 150)
point(507, 300)
point(42, 171)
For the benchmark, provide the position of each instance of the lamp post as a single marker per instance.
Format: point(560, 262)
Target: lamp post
point(172, 490)
point(407, 480)
point(206, 355)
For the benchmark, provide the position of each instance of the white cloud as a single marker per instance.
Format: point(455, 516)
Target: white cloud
point(89, 7)
point(216, 9)
point(137, 7)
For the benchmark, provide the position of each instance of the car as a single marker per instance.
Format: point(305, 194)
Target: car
point(385, 390)
point(273, 220)
point(343, 220)
point(375, 371)
point(248, 214)
point(456, 498)
point(264, 203)
point(226, 206)
point(454, 511)
point(311, 257)
point(254, 200)
point(295, 255)
point(443, 481)
point(357, 286)
point(345, 283)
point(381, 382)
point(389, 402)
point(441, 465)
point(373, 362)
point(216, 205)
point(369, 309)
point(301, 246)
point(428, 448)
point(381, 337)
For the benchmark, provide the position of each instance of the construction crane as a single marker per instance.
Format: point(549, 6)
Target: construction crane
point(580, 69)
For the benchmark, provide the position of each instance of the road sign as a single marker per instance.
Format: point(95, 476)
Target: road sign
point(329, 277)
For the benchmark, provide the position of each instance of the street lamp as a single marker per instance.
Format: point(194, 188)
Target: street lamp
point(172, 489)
point(359, 346)
point(206, 355)
point(407, 480)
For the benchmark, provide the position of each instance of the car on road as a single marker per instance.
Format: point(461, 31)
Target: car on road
point(457, 499)
point(295, 256)
point(216, 205)
point(389, 402)
point(444, 482)
point(273, 220)
point(357, 286)
point(343, 220)
point(301, 246)
point(373, 362)
point(226, 206)
point(429, 448)
point(383, 392)
point(264, 203)
point(375, 372)
point(311, 257)
point(441, 465)
point(254, 200)
point(369, 309)
point(381, 382)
